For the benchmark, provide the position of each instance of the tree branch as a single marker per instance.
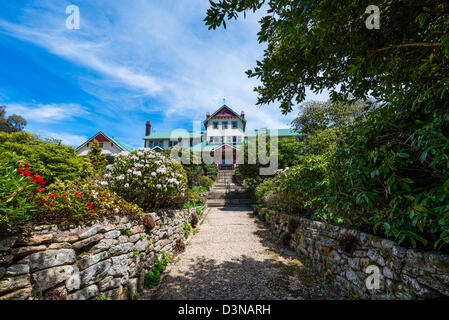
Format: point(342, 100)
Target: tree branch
point(413, 44)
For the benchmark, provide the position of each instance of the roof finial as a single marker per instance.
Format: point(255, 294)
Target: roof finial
point(224, 101)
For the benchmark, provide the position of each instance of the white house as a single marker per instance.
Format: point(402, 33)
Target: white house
point(225, 133)
point(109, 145)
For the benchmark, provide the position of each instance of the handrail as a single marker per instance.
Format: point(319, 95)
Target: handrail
point(228, 189)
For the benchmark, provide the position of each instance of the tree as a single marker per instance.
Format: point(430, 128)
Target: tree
point(14, 123)
point(317, 116)
point(97, 160)
point(325, 44)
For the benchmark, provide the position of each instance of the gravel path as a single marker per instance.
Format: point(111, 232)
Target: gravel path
point(235, 256)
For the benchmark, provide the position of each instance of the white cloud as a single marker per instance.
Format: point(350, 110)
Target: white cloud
point(51, 113)
point(67, 138)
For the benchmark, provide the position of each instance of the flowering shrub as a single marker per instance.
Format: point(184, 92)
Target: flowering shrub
point(68, 201)
point(23, 197)
point(148, 179)
point(18, 186)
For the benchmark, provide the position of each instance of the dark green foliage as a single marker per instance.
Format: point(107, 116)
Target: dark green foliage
point(52, 159)
point(325, 44)
point(97, 160)
point(211, 170)
point(14, 123)
point(391, 173)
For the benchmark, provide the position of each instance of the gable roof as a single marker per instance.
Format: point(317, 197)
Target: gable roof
point(205, 146)
point(105, 138)
point(224, 111)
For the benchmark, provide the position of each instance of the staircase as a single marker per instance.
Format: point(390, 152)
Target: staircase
point(226, 193)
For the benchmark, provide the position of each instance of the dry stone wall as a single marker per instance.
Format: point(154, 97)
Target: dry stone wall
point(107, 257)
point(403, 273)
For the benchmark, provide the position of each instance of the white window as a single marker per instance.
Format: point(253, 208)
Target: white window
point(101, 145)
point(235, 124)
point(211, 139)
point(215, 124)
point(224, 125)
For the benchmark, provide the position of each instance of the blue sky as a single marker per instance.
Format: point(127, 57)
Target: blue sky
point(130, 61)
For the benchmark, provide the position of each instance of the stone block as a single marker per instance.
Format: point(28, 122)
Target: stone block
point(49, 278)
point(84, 294)
point(50, 258)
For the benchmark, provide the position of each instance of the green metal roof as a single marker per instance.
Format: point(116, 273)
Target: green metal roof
point(175, 134)
point(199, 134)
point(204, 146)
point(280, 132)
point(119, 144)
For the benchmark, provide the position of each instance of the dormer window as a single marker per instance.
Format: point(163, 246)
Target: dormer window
point(224, 125)
point(215, 124)
point(234, 125)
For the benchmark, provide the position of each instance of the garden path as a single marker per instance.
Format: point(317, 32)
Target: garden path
point(235, 256)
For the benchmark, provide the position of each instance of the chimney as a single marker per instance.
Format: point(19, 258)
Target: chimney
point(242, 114)
point(207, 115)
point(148, 128)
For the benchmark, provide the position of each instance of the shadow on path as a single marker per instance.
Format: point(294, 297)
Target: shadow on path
point(235, 256)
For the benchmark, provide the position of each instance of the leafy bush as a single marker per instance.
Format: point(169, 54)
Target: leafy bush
point(147, 179)
point(50, 157)
point(211, 171)
point(18, 187)
point(301, 189)
point(391, 174)
point(205, 181)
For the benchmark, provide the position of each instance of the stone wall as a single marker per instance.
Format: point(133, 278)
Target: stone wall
point(403, 273)
point(107, 257)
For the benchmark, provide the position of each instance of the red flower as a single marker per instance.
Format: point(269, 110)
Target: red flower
point(40, 189)
point(93, 211)
point(38, 179)
point(43, 202)
point(53, 196)
point(89, 205)
point(26, 165)
point(18, 163)
point(66, 195)
point(52, 204)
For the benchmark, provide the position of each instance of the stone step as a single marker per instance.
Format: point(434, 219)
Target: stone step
point(224, 190)
point(216, 203)
point(233, 195)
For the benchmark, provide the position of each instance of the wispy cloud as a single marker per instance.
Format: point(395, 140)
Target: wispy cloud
point(47, 113)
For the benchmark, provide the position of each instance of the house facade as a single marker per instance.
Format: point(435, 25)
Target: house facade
point(225, 132)
point(109, 145)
